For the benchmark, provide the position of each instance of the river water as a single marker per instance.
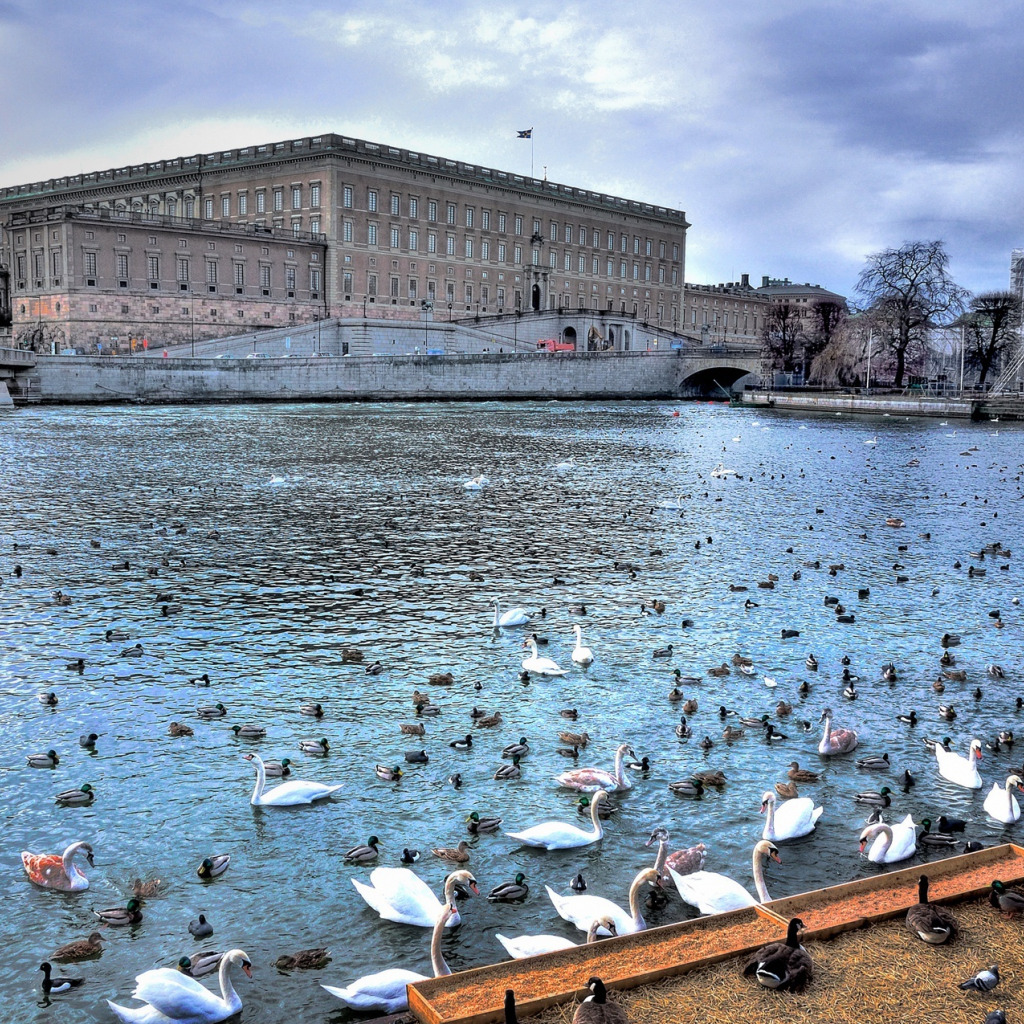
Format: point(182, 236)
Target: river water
point(289, 532)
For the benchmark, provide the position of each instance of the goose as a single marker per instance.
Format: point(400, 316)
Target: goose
point(874, 762)
point(513, 617)
point(399, 895)
point(121, 916)
point(212, 867)
point(963, 771)
point(582, 910)
point(47, 760)
point(555, 835)
point(714, 893)
point(201, 928)
point(792, 818)
point(891, 843)
point(173, 996)
point(782, 965)
point(288, 794)
point(509, 892)
point(835, 741)
point(522, 946)
point(58, 871)
point(53, 985)
point(581, 655)
point(931, 924)
point(590, 780)
point(386, 991)
point(538, 665)
point(596, 1008)
point(1009, 901)
point(798, 774)
point(1001, 804)
point(81, 949)
point(304, 959)
point(85, 794)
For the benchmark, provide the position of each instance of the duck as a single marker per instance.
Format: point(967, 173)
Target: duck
point(174, 996)
point(304, 959)
point(996, 671)
point(311, 709)
point(931, 924)
point(363, 854)
point(81, 949)
point(714, 893)
point(48, 699)
point(513, 617)
point(569, 713)
point(463, 744)
point(130, 914)
point(578, 883)
point(177, 729)
point(706, 744)
point(719, 672)
point(590, 780)
point(782, 966)
point(710, 777)
point(410, 856)
point(212, 711)
point(874, 762)
point(318, 748)
point(288, 794)
point(278, 769)
point(538, 665)
point(374, 669)
point(477, 825)
point(203, 680)
point(947, 711)
point(880, 799)
point(662, 652)
point(940, 838)
point(811, 662)
point(963, 771)
point(54, 985)
point(488, 721)
point(575, 739)
point(249, 732)
point(509, 771)
point(908, 719)
point(787, 790)
point(47, 760)
point(116, 636)
point(509, 892)
point(581, 910)
point(85, 794)
point(351, 656)
point(890, 843)
point(730, 732)
point(783, 708)
point(790, 820)
point(135, 651)
point(682, 730)
point(428, 709)
point(573, 752)
point(441, 679)
point(851, 692)
point(687, 787)
point(58, 871)
point(798, 774)
point(835, 741)
point(596, 1008)
point(1006, 899)
point(456, 855)
point(581, 655)
point(522, 946)
point(1001, 804)
point(412, 728)
point(213, 866)
point(200, 928)
point(556, 835)
point(522, 748)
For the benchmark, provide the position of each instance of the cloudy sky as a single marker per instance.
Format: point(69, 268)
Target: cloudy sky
point(798, 135)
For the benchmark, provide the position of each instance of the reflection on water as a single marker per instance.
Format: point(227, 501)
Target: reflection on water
point(288, 533)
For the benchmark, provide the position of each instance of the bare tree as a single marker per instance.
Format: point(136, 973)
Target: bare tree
point(827, 318)
point(990, 329)
point(783, 330)
point(908, 291)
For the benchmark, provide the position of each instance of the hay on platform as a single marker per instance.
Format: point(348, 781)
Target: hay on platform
point(881, 973)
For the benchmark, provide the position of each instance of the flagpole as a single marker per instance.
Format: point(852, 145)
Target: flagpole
point(531, 152)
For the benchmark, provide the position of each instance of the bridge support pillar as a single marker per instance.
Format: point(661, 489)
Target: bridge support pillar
point(6, 402)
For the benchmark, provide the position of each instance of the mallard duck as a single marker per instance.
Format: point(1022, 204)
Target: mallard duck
point(787, 790)
point(489, 720)
point(76, 797)
point(463, 744)
point(212, 711)
point(1009, 901)
point(683, 731)
point(311, 709)
point(78, 665)
point(782, 965)
point(48, 699)
point(710, 777)
point(931, 924)
point(874, 762)
point(351, 655)
point(456, 855)
point(570, 713)
point(687, 787)
point(476, 825)
point(656, 604)
point(213, 866)
point(129, 914)
point(721, 670)
point(304, 960)
point(277, 769)
point(441, 679)
point(783, 708)
point(47, 760)
point(575, 739)
point(363, 854)
point(428, 710)
point(740, 659)
point(675, 695)
point(135, 651)
point(930, 838)
point(318, 748)
point(804, 688)
point(177, 729)
point(706, 744)
point(880, 799)
point(798, 774)
point(509, 892)
point(955, 675)
point(730, 733)
point(61, 599)
point(662, 652)
point(249, 732)
point(412, 728)
point(573, 752)
point(811, 662)
point(81, 949)
point(145, 888)
point(53, 985)
point(419, 698)
point(996, 671)
point(509, 771)
point(116, 636)
point(522, 748)
point(939, 686)
point(200, 928)
point(200, 964)
point(417, 757)
point(387, 774)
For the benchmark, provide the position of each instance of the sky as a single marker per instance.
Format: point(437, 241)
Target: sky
point(799, 136)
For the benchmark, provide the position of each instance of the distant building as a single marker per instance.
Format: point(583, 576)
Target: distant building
point(720, 313)
point(291, 232)
point(1017, 273)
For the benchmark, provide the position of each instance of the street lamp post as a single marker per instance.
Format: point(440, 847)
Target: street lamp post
point(192, 320)
point(364, 307)
point(449, 312)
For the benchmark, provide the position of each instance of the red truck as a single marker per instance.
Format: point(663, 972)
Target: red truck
point(554, 345)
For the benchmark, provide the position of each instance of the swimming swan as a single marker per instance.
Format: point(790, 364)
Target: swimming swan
point(288, 794)
point(556, 835)
point(963, 771)
point(540, 666)
point(714, 893)
point(398, 895)
point(791, 819)
point(582, 910)
point(590, 780)
point(513, 617)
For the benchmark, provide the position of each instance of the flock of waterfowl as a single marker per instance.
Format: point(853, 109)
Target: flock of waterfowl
point(709, 741)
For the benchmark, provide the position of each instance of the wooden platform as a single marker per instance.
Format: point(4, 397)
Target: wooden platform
point(477, 996)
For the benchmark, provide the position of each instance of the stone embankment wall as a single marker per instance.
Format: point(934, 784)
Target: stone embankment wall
point(94, 379)
point(866, 405)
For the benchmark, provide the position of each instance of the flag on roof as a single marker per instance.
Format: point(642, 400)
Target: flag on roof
point(527, 134)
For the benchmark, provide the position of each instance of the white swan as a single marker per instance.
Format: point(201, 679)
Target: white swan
point(513, 617)
point(835, 741)
point(959, 769)
point(1001, 804)
point(175, 997)
point(892, 843)
point(58, 870)
point(581, 655)
point(556, 835)
point(791, 819)
point(720, 472)
point(288, 794)
point(540, 666)
point(713, 893)
point(590, 780)
point(387, 990)
point(582, 910)
point(476, 483)
point(523, 946)
point(399, 895)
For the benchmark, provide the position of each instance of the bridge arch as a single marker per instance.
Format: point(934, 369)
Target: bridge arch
point(716, 380)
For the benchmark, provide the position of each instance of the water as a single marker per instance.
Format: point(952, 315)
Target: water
point(314, 502)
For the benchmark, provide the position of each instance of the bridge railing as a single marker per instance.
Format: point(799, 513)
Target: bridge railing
point(17, 357)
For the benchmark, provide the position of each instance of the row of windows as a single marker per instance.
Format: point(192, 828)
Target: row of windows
point(277, 200)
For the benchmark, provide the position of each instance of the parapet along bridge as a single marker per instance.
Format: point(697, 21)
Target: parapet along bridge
point(483, 376)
